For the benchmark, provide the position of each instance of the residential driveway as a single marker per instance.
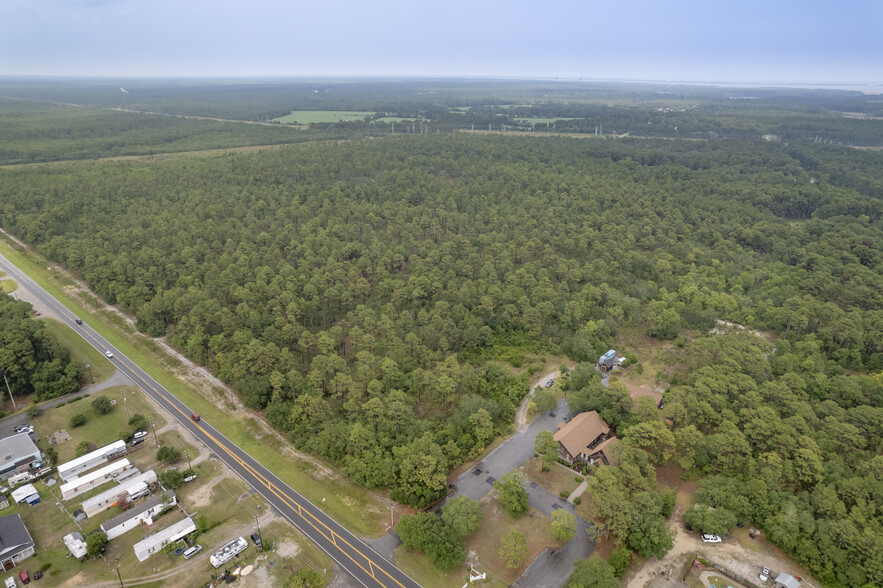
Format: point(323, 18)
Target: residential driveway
point(551, 568)
point(478, 481)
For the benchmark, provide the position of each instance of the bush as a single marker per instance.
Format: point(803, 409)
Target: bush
point(171, 479)
point(547, 468)
point(82, 449)
point(578, 478)
point(78, 420)
point(576, 500)
point(564, 494)
point(138, 421)
point(95, 543)
point(168, 454)
point(102, 405)
point(34, 411)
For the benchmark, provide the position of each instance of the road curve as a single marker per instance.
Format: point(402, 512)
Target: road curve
point(364, 564)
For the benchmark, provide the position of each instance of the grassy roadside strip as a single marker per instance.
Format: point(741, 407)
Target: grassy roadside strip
point(353, 507)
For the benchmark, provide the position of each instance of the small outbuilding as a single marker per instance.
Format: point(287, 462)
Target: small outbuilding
point(26, 493)
point(76, 544)
point(786, 581)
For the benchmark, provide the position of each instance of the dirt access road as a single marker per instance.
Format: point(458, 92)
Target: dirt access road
point(730, 554)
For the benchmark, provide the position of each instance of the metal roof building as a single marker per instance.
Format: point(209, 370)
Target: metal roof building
point(131, 489)
point(138, 514)
point(17, 454)
point(26, 493)
point(97, 478)
point(154, 543)
point(70, 470)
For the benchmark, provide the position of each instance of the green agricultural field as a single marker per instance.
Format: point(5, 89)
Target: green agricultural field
point(395, 119)
point(537, 120)
point(322, 116)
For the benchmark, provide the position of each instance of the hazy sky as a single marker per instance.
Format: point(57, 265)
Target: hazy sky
point(684, 40)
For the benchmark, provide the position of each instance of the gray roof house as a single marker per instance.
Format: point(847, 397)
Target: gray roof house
point(17, 454)
point(15, 542)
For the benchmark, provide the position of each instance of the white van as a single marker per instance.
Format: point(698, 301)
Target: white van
point(192, 551)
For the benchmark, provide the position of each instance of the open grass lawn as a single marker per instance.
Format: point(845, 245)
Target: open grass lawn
point(496, 524)
point(99, 368)
point(321, 116)
point(395, 119)
point(99, 430)
point(534, 120)
point(290, 550)
point(356, 508)
point(558, 479)
point(8, 285)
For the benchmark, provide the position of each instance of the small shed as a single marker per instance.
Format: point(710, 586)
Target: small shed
point(786, 581)
point(26, 493)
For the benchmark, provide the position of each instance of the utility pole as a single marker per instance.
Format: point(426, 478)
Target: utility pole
point(153, 426)
point(258, 523)
point(126, 405)
point(187, 455)
point(8, 388)
point(88, 367)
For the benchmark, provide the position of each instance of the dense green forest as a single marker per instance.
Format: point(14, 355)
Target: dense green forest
point(31, 360)
point(364, 294)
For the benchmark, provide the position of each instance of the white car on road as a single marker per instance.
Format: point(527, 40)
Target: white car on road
point(108, 353)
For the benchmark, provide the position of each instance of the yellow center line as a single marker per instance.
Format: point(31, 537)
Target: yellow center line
point(290, 502)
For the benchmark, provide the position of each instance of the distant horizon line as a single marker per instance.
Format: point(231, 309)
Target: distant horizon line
point(803, 84)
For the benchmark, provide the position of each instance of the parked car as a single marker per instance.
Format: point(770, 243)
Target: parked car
point(257, 539)
point(10, 582)
point(139, 434)
point(38, 574)
point(764, 574)
point(24, 428)
point(192, 551)
point(108, 353)
point(190, 478)
point(136, 442)
point(550, 382)
point(173, 469)
point(78, 321)
point(194, 416)
point(25, 578)
point(706, 538)
point(36, 313)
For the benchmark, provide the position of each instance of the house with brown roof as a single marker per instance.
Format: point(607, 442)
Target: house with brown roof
point(586, 438)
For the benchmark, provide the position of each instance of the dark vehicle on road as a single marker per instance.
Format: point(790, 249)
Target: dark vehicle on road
point(78, 321)
point(195, 416)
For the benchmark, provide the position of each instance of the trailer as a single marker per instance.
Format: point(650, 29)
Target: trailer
point(228, 552)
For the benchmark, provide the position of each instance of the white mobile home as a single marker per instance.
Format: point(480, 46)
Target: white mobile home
point(93, 480)
point(138, 514)
point(130, 490)
point(70, 470)
point(154, 543)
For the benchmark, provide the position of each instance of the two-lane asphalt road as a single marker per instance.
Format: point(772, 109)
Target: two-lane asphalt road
point(359, 560)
